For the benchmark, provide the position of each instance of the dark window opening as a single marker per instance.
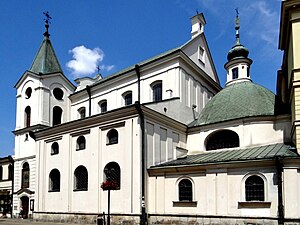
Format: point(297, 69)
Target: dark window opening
point(128, 98)
point(185, 190)
point(25, 176)
point(28, 92)
point(103, 106)
point(112, 172)
point(248, 71)
point(57, 113)
point(54, 148)
point(255, 190)
point(112, 137)
point(27, 116)
point(81, 112)
point(80, 143)
point(54, 180)
point(80, 179)
point(1, 173)
point(10, 172)
point(235, 73)
point(58, 93)
point(157, 92)
point(222, 139)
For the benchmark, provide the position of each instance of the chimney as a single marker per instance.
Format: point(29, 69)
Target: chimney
point(198, 22)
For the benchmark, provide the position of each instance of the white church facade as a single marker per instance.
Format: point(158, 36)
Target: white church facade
point(178, 147)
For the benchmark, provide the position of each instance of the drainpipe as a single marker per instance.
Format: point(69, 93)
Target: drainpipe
point(88, 90)
point(143, 219)
point(279, 186)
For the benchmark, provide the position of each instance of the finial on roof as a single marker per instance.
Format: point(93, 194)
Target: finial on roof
point(237, 26)
point(47, 22)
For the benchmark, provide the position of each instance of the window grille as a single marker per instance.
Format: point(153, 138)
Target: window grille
point(255, 190)
point(80, 179)
point(112, 173)
point(185, 190)
point(54, 180)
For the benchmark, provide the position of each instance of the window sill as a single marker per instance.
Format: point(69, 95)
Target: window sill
point(254, 204)
point(54, 190)
point(82, 189)
point(184, 203)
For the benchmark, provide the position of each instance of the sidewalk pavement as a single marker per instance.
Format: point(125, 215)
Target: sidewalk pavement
point(30, 222)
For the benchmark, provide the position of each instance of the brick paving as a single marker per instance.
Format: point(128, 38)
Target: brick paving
point(29, 222)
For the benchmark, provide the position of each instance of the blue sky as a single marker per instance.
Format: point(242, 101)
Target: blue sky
point(117, 34)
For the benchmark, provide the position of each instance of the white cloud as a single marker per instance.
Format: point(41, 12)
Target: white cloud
point(85, 61)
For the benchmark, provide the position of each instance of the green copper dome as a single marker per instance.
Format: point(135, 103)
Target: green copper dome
point(238, 100)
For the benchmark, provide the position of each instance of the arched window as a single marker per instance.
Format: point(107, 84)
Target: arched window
point(80, 179)
point(27, 116)
point(80, 143)
point(127, 98)
point(54, 148)
point(112, 137)
point(222, 139)
point(57, 113)
point(103, 106)
point(1, 173)
point(185, 189)
point(25, 175)
point(157, 91)
point(112, 172)
point(10, 172)
point(255, 188)
point(81, 112)
point(54, 180)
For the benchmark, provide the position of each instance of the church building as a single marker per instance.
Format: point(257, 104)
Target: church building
point(162, 135)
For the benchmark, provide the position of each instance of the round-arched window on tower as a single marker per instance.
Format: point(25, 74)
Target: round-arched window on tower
point(58, 93)
point(28, 93)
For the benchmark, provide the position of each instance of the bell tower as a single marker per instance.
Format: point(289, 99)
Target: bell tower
point(42, 101)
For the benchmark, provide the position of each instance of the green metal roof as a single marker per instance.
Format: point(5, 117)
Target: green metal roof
point(45, 61)
point(236, 155)
point(238, 100)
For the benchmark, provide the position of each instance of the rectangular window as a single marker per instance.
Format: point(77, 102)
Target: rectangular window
point(235, 73)
point(201, 54)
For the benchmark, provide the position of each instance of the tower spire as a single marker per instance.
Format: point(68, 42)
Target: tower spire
point(237, 27)
point(47, 22)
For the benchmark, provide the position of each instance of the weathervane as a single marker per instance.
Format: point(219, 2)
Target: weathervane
point(237, 27)
point(47, 22)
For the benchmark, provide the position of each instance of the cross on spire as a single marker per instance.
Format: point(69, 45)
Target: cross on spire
point(47, 22)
